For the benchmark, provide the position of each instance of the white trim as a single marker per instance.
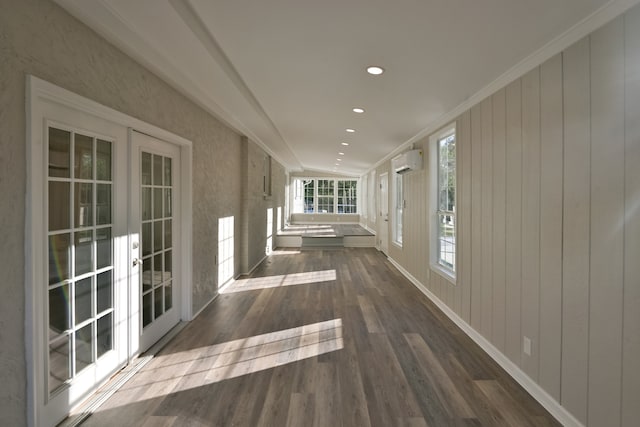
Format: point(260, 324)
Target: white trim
point(394, 209)
point(537, 392)
point(597, 19)
point(31, 255)
point(186, 196)
point(432, 185)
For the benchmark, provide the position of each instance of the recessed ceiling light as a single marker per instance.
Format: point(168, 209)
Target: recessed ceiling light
point(358, 110)
point(339, 160)
point(350, 130)
point(375, 70)
point(337, 164)
point(345, 143)
point(341, 153)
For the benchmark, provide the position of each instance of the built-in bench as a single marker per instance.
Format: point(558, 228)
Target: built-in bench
point(325, 235)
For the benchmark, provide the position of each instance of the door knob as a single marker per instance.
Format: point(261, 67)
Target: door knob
point(137, 261)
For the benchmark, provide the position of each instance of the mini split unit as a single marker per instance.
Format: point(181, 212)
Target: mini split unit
point(408, 161)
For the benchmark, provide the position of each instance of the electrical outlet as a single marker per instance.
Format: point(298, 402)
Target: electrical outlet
point(526, 344)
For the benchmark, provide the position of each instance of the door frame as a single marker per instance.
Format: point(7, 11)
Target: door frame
point(383, 219)
point(137, 142)
point(39, 94)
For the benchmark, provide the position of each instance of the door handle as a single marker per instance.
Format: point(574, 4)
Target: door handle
point(137, 261)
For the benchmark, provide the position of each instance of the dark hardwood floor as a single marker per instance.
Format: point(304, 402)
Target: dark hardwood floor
point(322, 338)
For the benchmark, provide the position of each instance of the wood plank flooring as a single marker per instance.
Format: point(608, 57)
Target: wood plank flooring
point(361, 348)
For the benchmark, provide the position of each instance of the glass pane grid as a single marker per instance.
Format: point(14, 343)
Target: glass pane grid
point(347, 201)
point(78, 249)
point(156, 235)
point(447, 202)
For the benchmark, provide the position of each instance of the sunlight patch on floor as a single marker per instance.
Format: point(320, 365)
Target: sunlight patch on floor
point(285, 252)
point(258, 283)
point(176, 372)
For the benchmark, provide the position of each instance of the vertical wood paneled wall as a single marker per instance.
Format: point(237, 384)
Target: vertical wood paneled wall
point(549, 224)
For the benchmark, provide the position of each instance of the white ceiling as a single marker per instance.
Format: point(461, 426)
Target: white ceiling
point(287, 73)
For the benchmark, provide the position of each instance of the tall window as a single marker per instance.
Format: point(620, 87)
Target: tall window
point(266, 175)
point(444, 153)
point(325, 195)
point(347, 196)
point(398, 207)
point(308, 195)
point(225, 250)
point(326, 188)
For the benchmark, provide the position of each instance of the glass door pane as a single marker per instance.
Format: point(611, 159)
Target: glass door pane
point(156, 221)
point(80, 248)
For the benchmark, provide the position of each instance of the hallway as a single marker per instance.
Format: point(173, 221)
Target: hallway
point(324, 338)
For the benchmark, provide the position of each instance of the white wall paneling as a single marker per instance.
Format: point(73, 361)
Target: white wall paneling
point(551, 145)
point(486, 221)
point(607, 224)
point(499, 192)
point(513, 344)
point(548, 233)
point(575, 229)
point(631, 296)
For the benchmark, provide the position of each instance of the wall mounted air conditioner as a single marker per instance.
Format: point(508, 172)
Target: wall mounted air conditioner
point(408, 161)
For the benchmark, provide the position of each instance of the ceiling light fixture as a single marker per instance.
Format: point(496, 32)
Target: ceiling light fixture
point(339, 160)
point(375, 70)
point(358, 110)
point(345, 143)
point(350, 130)
point(341, 153)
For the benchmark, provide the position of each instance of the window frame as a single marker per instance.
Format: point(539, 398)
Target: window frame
point(319, 199)
point(435, 213)
point(398, 208)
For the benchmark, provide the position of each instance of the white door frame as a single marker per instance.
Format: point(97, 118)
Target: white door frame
point(40, 93)
point(383, 218)
point(140, 340)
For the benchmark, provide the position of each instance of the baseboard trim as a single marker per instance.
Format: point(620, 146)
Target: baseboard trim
point(538, 393)
point(258, 263)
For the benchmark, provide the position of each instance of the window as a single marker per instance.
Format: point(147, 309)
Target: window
point(443, 153)
point(326, 188)
point(347, 196)
point(325, 195)
point(266, 176)
point(225, 250)
point(371, 199)
point(398, 206)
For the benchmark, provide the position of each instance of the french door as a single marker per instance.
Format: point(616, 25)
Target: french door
point(155, 245)
point(104, 255)
point(383, 219)
point(85, 269)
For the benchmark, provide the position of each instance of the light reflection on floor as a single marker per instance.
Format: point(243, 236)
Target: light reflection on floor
point(258, 283)
point(175, 372)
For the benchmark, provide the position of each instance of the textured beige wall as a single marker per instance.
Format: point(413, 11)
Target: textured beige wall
point(37, 37)
point(256, 205)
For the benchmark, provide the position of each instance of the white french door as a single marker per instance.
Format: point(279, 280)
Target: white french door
point(154, 220)
point(383, 219)
point(104, 260)
point(83, 275)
